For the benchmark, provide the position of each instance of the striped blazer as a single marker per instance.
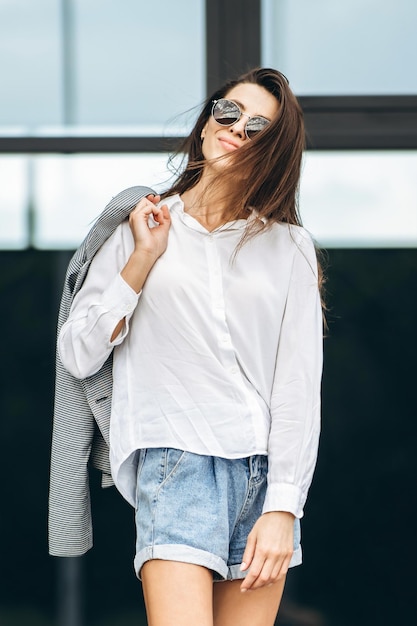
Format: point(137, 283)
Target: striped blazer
point(80, 433)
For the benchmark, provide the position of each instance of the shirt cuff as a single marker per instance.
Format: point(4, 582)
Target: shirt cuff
point(284, 497)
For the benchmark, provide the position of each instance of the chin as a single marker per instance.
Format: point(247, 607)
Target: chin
point(220, 160)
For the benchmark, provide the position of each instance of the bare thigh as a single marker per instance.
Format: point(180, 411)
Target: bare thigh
point(177, 593)
point(253, 608)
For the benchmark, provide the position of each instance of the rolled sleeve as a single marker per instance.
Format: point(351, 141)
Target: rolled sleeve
point(119, 301)
point(102, 302)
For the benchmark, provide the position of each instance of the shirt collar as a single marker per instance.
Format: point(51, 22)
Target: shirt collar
point(176, 206)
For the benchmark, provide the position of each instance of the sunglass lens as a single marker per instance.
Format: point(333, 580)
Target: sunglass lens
point(255, 125)
point(226, 112)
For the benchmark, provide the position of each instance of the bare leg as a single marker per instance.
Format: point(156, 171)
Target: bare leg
point(253, 608)
point(177, 593)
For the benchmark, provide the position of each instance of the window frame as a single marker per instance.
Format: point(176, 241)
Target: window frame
point(233, 45)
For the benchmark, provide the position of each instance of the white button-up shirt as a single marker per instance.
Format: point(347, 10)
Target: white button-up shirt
point(221, 353)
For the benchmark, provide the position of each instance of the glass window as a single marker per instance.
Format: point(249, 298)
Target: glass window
point(30, 63)
point(15, 179)
point(71, 191)
point(105, 63)
point(145, 69)
point(360, 199)
point(357, 47)
point(347, 199)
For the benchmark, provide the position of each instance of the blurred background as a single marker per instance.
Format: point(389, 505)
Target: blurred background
point(94, 95)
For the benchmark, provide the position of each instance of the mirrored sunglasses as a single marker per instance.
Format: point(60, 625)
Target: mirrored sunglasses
point(227, 113)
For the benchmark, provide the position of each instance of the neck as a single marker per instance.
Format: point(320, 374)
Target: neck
point(207, 203)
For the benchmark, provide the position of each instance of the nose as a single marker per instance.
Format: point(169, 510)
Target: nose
point(238, 128)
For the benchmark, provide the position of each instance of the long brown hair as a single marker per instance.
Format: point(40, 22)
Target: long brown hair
point(265, 174)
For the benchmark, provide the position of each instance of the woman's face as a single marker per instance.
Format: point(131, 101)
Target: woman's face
point(253, 100)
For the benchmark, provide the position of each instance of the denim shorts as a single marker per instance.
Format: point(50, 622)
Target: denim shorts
point(199, 509)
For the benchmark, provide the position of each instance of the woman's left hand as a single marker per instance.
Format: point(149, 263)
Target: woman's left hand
point(268, 551)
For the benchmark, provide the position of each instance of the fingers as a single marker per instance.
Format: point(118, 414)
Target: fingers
point(149, 224)
point(249, 552)
point(162, 216)
point(266, 570)
point(155, 199)
point(147, 207)
point(268, 551)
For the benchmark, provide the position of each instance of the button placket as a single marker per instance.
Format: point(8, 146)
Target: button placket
point(224, 341)
point(226, 351)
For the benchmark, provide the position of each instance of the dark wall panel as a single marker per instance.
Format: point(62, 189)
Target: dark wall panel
point(359, 530)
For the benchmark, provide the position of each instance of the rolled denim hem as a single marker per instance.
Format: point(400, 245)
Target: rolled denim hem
point(235, 573)
point(297, 557)
point(182, 553)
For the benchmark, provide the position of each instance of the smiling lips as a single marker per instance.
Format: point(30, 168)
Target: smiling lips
point(228, 144)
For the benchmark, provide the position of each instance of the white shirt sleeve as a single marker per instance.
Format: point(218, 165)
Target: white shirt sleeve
point(295, 399)
point(103, 300)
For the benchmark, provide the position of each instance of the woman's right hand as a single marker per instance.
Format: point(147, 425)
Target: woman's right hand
point(150, 243)
point(148, 240)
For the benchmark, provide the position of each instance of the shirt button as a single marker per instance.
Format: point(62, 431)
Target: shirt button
point(225, 338)
point(234, 370)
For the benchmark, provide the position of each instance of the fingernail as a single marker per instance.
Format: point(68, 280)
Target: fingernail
point(243, 566)
point(243, 590)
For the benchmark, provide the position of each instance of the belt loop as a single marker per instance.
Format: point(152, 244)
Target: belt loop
point(254, 465)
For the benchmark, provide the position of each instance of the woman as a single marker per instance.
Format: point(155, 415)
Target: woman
point(210, 301)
